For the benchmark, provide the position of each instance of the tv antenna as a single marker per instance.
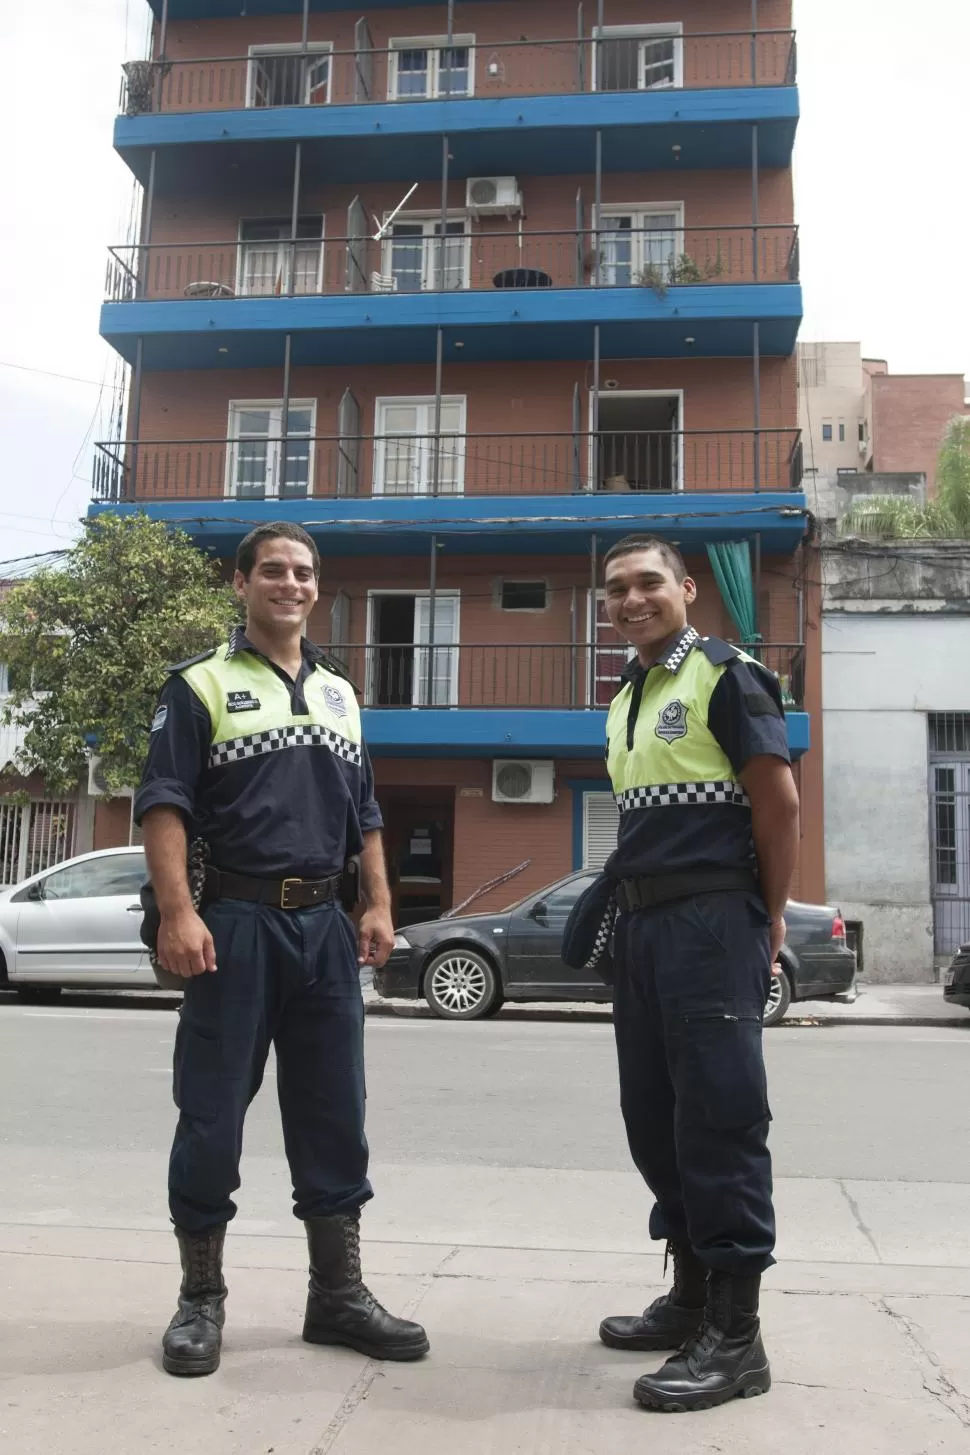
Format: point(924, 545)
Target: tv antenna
point(383, 226)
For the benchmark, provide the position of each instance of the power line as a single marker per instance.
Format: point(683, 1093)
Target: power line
point(70, 378)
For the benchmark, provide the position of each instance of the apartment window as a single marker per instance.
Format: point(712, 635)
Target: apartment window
point(403, 668)
point(841, 432)
point(523, 595)
point(422, 68)
point(270, 262)
point(257, 465)
point(862, 432)
point(827, 433)
point(632, 242)
point(281, 75)
point(418, 261)
point(638, 57)
point(409, 458)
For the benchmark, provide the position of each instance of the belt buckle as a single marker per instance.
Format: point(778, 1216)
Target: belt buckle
point(284, 893)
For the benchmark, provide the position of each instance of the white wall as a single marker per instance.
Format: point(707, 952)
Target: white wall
point(881, 676)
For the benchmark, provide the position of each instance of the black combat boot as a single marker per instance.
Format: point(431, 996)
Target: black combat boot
point(340, 1309)
point(671, 1319)
point(724, 1359)
point(193, 1340)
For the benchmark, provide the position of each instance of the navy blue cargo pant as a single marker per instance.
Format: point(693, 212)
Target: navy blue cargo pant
point(290, 978)
point(691, 981)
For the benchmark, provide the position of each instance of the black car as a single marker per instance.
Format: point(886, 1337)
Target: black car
point(467, 966)
point(956, 981)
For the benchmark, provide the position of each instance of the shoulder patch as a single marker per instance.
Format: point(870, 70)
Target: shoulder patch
point(191, 661)
point(718, 652)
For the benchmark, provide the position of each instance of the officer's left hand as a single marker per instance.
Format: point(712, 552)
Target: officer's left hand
point(375, 937)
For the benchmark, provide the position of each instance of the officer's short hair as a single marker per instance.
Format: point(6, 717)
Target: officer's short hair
point(274, 530)
point(669, 554)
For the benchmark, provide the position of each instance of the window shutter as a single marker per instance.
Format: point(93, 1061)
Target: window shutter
point(600, 820)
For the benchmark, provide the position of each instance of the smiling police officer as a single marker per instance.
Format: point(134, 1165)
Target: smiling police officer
point(698, 757)
point(256, 751)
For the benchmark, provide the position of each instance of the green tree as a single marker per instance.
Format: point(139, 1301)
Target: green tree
point(946, 518)
point(88, 642)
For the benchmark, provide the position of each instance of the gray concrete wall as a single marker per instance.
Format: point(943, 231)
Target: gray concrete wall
point(881, 675)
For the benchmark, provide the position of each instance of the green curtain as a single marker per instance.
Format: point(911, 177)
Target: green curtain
point(731, 562)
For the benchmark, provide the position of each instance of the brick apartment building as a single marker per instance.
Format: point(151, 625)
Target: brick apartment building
point(471, 291)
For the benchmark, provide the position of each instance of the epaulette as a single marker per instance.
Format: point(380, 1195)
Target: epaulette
point(718, 652)
point(191, 661)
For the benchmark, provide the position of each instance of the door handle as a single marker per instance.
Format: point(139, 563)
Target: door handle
point(133, 909)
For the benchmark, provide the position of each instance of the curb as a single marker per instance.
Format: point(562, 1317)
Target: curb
point(417, 1011)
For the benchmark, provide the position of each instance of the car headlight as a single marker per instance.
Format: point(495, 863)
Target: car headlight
point(401, 942)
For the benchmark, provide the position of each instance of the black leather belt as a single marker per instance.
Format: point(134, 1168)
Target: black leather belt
point(280, 893)
point(644, 893)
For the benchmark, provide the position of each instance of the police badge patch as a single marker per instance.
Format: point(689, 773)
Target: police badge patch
point(335, 701)
point(672, 722)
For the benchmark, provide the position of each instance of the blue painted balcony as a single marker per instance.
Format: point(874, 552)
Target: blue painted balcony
point(661, 101)
point(515, 700)
point(500, 492)
point(500, 295)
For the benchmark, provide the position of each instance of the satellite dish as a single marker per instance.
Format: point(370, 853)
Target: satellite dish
point(383, 226)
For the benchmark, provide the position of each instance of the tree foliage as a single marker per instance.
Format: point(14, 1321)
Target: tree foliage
point(946, 518)
point(87, 645)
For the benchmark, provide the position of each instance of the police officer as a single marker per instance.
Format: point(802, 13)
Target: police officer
point(698, 757)
point(256, 750)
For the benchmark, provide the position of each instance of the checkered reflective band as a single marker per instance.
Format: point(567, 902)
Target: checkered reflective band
point(603, 935)
point(273, 739)
point(685, 644)
point(667, 795)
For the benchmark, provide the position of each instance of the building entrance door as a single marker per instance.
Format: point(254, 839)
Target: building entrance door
point(950, 828)
point(419, 835)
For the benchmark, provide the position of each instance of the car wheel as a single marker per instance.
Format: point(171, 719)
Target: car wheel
point(779, 999)
point(461, 985)
point(38, 994)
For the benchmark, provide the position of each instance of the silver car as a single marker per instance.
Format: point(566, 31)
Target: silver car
point(76, 926)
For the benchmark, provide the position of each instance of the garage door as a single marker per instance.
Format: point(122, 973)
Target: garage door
point(600, 819)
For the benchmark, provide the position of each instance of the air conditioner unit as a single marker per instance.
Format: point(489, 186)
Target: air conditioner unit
point(485, 196)
point(517, 780)
point(97, 787)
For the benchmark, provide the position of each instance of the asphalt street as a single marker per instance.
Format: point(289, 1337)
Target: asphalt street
point(508, 1214)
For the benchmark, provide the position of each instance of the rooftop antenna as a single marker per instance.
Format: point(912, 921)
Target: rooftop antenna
point(383, 226)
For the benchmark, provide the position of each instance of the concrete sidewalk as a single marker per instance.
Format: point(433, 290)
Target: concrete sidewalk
point(875, 1358)
point(901, 1005)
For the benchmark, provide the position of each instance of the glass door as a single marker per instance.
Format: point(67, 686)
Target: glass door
point(435, 683)
point(406, 447)
point(258, 466)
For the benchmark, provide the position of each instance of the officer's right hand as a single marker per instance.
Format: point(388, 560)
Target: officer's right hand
point(185, 947)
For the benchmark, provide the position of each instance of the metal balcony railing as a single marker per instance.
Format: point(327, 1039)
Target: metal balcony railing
point(612, 462)
point(518, 675)
point(412, 261)
point(421, 71)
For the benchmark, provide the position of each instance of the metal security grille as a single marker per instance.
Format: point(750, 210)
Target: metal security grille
point(950, 828)
point(35, 836)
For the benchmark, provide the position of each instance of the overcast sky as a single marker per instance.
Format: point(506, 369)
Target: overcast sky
point(881, 199)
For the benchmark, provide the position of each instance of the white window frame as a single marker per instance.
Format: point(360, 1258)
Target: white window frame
point(678, 394)
point(385, 401)
point(285, 255)
point(589, 653)
point(428, 222)
point(452, 594)
point(313, 48)
point(673, 28)
point(638, 212)
point(236, 406)
point(434, 45)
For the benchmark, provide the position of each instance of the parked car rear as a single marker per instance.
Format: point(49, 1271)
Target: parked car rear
point(956, 979)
